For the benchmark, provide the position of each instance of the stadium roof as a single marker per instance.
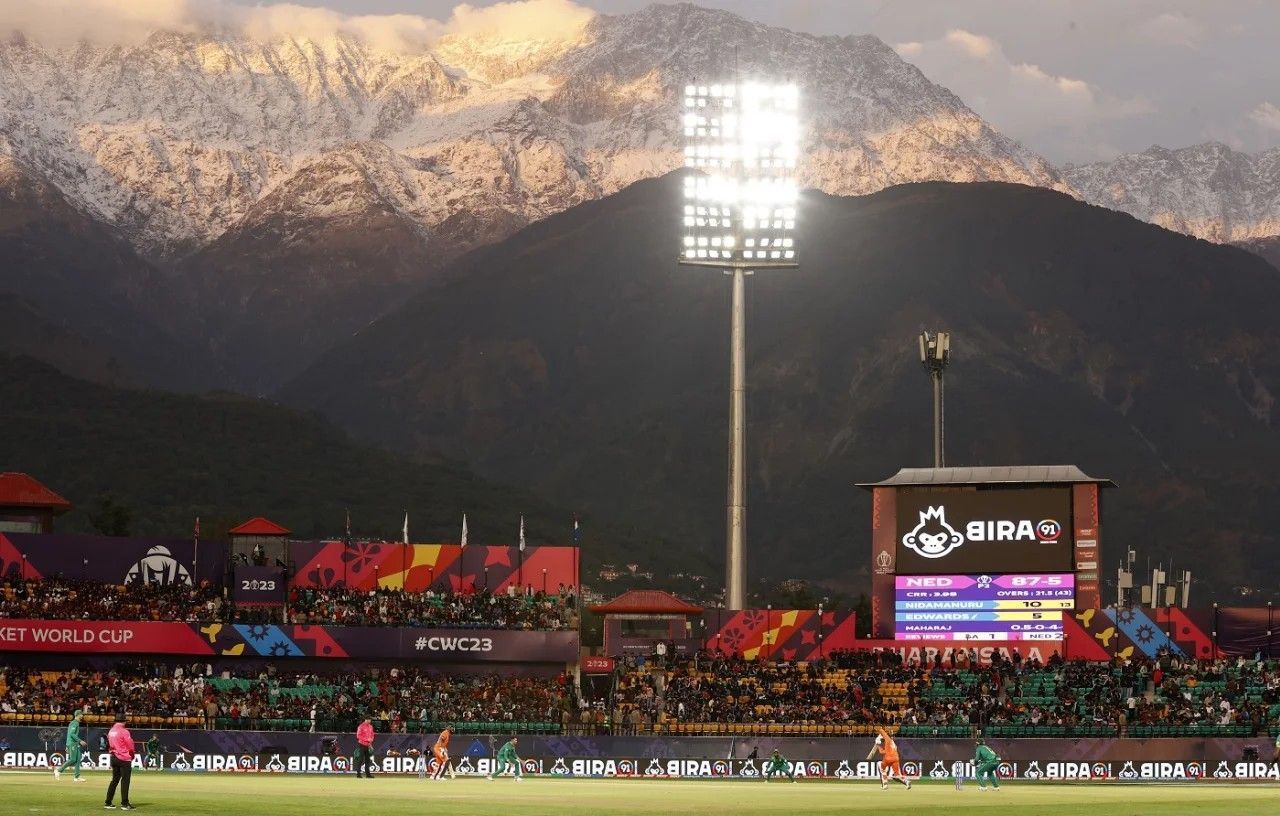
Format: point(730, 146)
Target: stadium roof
point(1021, 474)
point(21, 490)
point(646, 602)
point(259, 526)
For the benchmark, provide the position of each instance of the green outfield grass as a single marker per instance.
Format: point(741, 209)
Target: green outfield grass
point(230, 795)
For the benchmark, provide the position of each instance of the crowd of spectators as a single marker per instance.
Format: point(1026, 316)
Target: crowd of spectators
point(396, 699)
point(1126, 697)
point(70, 599)
point(876, 688)
point(395, 607)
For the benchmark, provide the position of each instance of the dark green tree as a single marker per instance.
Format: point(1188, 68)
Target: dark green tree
point(110, 517)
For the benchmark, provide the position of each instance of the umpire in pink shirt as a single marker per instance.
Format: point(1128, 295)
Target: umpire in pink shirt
point(364, 749)
point(120, 744)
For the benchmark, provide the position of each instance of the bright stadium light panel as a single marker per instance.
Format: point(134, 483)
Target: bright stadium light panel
point(740, 208)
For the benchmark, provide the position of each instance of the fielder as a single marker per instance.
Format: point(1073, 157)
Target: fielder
point(75, 748)
point(985, 762)
point(507, 759)
point(777, 763)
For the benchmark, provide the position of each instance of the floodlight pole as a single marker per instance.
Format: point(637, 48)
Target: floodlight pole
point(739, 216)
point(935, 356)
point(735, 558)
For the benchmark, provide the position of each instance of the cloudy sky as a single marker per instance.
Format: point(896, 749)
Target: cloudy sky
point(1076, 80)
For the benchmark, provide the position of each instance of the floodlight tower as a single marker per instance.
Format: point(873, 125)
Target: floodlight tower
point(935, 356)
point(742, 143)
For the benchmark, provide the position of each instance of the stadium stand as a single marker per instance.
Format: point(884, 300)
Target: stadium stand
point(397, 700)
point(858, 692)
point(850, 695)
point(68, 599)
point(394, 607)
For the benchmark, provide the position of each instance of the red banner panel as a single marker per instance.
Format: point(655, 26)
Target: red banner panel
point(268, 640)
point(778, 634)
point(440, 567)
point(927, 651)
point(884, 546)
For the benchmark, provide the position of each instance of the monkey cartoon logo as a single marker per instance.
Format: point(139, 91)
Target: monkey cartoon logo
point(933, 537)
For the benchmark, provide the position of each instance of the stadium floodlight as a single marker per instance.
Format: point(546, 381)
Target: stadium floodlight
point(741, 146)
point(935, 356)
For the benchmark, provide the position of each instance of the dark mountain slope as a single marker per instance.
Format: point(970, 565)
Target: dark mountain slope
point(85, 281)
point(171, 457)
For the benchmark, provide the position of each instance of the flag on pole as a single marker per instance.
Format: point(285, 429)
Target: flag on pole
point(406, 527)
point(577, 532)
point(348, 525)
point(522, 534)
point(197, 528)
point(464, 529)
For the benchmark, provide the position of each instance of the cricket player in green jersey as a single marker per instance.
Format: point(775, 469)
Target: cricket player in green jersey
point(75, 747)
point(153, 757)
point(985, 762)
point(507, 759)
point(777, 763)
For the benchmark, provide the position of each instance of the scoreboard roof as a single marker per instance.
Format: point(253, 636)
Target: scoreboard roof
point(1020, 474)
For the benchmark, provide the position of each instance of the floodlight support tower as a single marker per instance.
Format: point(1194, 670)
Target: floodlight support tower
point(935, 356)
point(738, 219)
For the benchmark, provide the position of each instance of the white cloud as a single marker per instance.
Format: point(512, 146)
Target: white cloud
point(62, 22)
point(1172, 28)
point(1267, 115)
point(525, 19)
point(970, 44)
point(1021, 98)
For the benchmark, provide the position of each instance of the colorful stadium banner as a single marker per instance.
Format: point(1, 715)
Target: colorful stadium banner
point(320, 564)
point(112, 560)
point(266, 640)
point(777, 634)
point(1104, 634)
point(440, 567)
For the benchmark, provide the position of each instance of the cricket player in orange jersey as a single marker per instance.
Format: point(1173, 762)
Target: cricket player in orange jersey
point(890, 762)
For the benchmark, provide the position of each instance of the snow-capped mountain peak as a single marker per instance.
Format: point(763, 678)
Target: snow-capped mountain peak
point(173, 140)
point(1208, 190)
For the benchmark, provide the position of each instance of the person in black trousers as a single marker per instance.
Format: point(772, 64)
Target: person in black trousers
point(120, 743)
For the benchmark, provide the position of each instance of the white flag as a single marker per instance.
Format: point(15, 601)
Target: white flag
point(522, 534)
point(464, 529)
point(406, 527)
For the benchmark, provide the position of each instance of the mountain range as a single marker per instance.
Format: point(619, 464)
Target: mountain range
point(282, 192)
point(1208, 190)
point(291, 190)
point(578, 359)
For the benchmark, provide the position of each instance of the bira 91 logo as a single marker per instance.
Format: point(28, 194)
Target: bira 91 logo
point(934, 537)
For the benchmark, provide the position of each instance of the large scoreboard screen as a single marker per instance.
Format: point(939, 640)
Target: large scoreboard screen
point(982, 607)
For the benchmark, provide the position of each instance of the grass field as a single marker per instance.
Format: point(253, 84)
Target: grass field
point(229, 795)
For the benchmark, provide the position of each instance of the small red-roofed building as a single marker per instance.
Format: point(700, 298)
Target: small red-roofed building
point(27, 506)
point(638, 620)
point(259, 541)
